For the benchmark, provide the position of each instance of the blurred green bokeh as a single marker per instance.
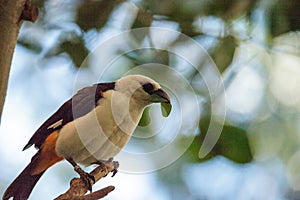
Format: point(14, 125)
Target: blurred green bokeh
point(254, 44)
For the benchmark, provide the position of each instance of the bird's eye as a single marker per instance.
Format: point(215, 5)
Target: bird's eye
point(148, 87)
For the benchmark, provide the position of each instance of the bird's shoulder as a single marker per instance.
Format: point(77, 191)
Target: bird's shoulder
point(84, 101)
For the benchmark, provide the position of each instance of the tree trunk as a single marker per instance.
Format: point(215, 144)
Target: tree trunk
point(12, 13)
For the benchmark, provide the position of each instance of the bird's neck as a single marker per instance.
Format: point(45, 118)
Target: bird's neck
point(136, 109)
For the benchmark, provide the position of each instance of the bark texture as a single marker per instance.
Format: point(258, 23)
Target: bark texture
point(78, 187)
point(10, 23)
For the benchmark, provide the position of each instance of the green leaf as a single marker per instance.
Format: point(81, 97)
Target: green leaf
point(166, 109)
point(30, 43)
point(284, 17)
point(145, 119)
point(230, 9)
point(94, 14)
point(76, 50)
point(224, 52)
point(232, 144)
point(149, 55)
point(143, 19)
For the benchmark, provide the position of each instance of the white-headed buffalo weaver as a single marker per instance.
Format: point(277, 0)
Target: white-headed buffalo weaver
point(72, 133)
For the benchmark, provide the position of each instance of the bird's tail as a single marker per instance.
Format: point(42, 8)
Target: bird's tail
point(22, 186)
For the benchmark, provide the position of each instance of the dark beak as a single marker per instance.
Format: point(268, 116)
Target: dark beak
point(159, 96)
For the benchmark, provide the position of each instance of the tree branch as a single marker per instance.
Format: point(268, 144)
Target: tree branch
point(30, 12)
point(78, 188)
point(11, 18)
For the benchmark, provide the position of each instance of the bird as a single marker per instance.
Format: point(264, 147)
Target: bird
point(92, 126)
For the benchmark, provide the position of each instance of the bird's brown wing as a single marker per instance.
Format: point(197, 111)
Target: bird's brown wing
point(84, 101)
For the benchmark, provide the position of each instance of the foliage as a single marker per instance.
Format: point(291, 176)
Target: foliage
point(194, 18)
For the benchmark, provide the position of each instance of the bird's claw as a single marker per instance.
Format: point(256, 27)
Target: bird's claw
point(115, 170)
point(87, 178)
point(107, 163)
point(89, 181)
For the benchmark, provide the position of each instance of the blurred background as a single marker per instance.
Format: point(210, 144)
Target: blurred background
point(254, 44)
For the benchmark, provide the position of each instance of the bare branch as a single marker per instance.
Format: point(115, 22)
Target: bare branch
point(78, 187)
point(96, 195)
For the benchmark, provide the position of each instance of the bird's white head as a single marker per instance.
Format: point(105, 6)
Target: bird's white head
point(142, 89)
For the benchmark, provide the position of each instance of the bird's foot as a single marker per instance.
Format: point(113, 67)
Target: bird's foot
point(88, 179)
point(115, 170)
point(108, 163)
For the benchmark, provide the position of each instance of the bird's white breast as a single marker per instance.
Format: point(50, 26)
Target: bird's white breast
point(103, 132)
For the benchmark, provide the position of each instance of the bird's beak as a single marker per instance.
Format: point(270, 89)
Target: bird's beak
point(159, 96)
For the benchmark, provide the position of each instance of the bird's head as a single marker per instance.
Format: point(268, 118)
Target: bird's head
point(143, 90)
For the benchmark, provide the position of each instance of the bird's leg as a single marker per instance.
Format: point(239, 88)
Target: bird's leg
point(107, 162)
point(86, 177)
